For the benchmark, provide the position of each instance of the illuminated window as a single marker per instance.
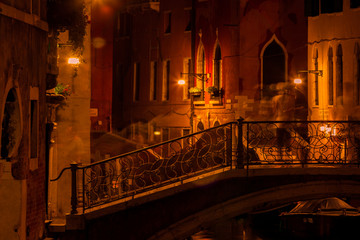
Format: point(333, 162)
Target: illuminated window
point(331, 6)
point(136, 81)
point(167, 22)
point(339, 76)
point(153, 80)
point(331, 76)
point(166, 81)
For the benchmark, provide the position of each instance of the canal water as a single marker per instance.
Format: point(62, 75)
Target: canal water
point(271, 226)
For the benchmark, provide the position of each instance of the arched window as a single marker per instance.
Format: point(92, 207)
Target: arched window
point(357, 75)
point(11, 125)
point(217, 67)
point(200, 83)
point(200, 126)
point(339, 76)
point(273, 68)
point(216, 123)
point(331, 76)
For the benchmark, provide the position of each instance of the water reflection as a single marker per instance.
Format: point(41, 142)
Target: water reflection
point(328, 223)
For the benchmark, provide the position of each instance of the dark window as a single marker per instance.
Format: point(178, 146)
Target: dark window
point(217, 67)
point(357, 75)
point(187, 69)
point(339, 76)
point(167, 22)
point(311, 8)
point(331, 6)
point(331, 76)
point(273, 68)
point(354, 3)
point(201, 70)
point(136, 81)
point(153, 80)
point(34, 129)
point(11, 121)
point(166, 83)
point(200, 126)
point(124, 24)
point(188, 17)
point(316, 82)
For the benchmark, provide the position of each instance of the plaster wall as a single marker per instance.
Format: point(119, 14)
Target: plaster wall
point(72, 132)
point(23, 58)
point(332, 30)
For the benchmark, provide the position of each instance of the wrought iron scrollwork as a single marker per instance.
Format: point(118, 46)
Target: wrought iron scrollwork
point(297, 142)
point(156, 166)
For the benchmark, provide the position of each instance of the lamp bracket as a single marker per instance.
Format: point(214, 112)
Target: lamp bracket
point(199, 76)
point(316, 72)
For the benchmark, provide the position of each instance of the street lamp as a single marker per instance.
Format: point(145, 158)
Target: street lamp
point(298, 80)
point(181, 81)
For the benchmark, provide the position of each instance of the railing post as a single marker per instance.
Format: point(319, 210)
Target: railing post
point(74, 201)
point(240, 145)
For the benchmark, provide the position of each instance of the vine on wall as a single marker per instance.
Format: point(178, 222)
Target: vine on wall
point(69, 15)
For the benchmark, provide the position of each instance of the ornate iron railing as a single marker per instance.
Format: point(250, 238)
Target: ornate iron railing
point(156, 166)
point(263, 143)
point(301, 142)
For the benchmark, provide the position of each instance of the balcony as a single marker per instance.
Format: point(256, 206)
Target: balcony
point(143, 5)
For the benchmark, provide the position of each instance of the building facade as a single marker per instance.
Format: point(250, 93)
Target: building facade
point(333, 38)
point(242, 48)
point(24, 71)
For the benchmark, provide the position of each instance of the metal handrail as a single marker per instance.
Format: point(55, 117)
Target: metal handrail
point(306, 143)
point(152, 167)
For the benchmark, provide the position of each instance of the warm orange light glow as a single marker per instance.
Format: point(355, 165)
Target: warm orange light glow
point(181, 82)
point(297, 81)
point(157, 133)
point(74, 61)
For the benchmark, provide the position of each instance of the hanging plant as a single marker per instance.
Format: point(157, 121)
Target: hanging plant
point(63, 90)
point(212, 89)
point(69, 15)
point(195, 91)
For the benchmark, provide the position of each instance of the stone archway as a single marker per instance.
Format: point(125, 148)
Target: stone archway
point(11, 125)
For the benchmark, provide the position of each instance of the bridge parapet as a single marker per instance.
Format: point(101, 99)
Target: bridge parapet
point(269, 144)
point(301, 142)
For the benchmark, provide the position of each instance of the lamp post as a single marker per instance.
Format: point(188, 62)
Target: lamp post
point(199, 76)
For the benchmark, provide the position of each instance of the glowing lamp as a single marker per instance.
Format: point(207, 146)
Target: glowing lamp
point(73, 61)
point(181, 82)
point(157, 133)
point(297, 81)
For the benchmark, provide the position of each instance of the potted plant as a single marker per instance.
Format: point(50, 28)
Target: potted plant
point(195, 91)
point(214, 91)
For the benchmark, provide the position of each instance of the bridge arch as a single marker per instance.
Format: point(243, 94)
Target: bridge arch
point(268, 198)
